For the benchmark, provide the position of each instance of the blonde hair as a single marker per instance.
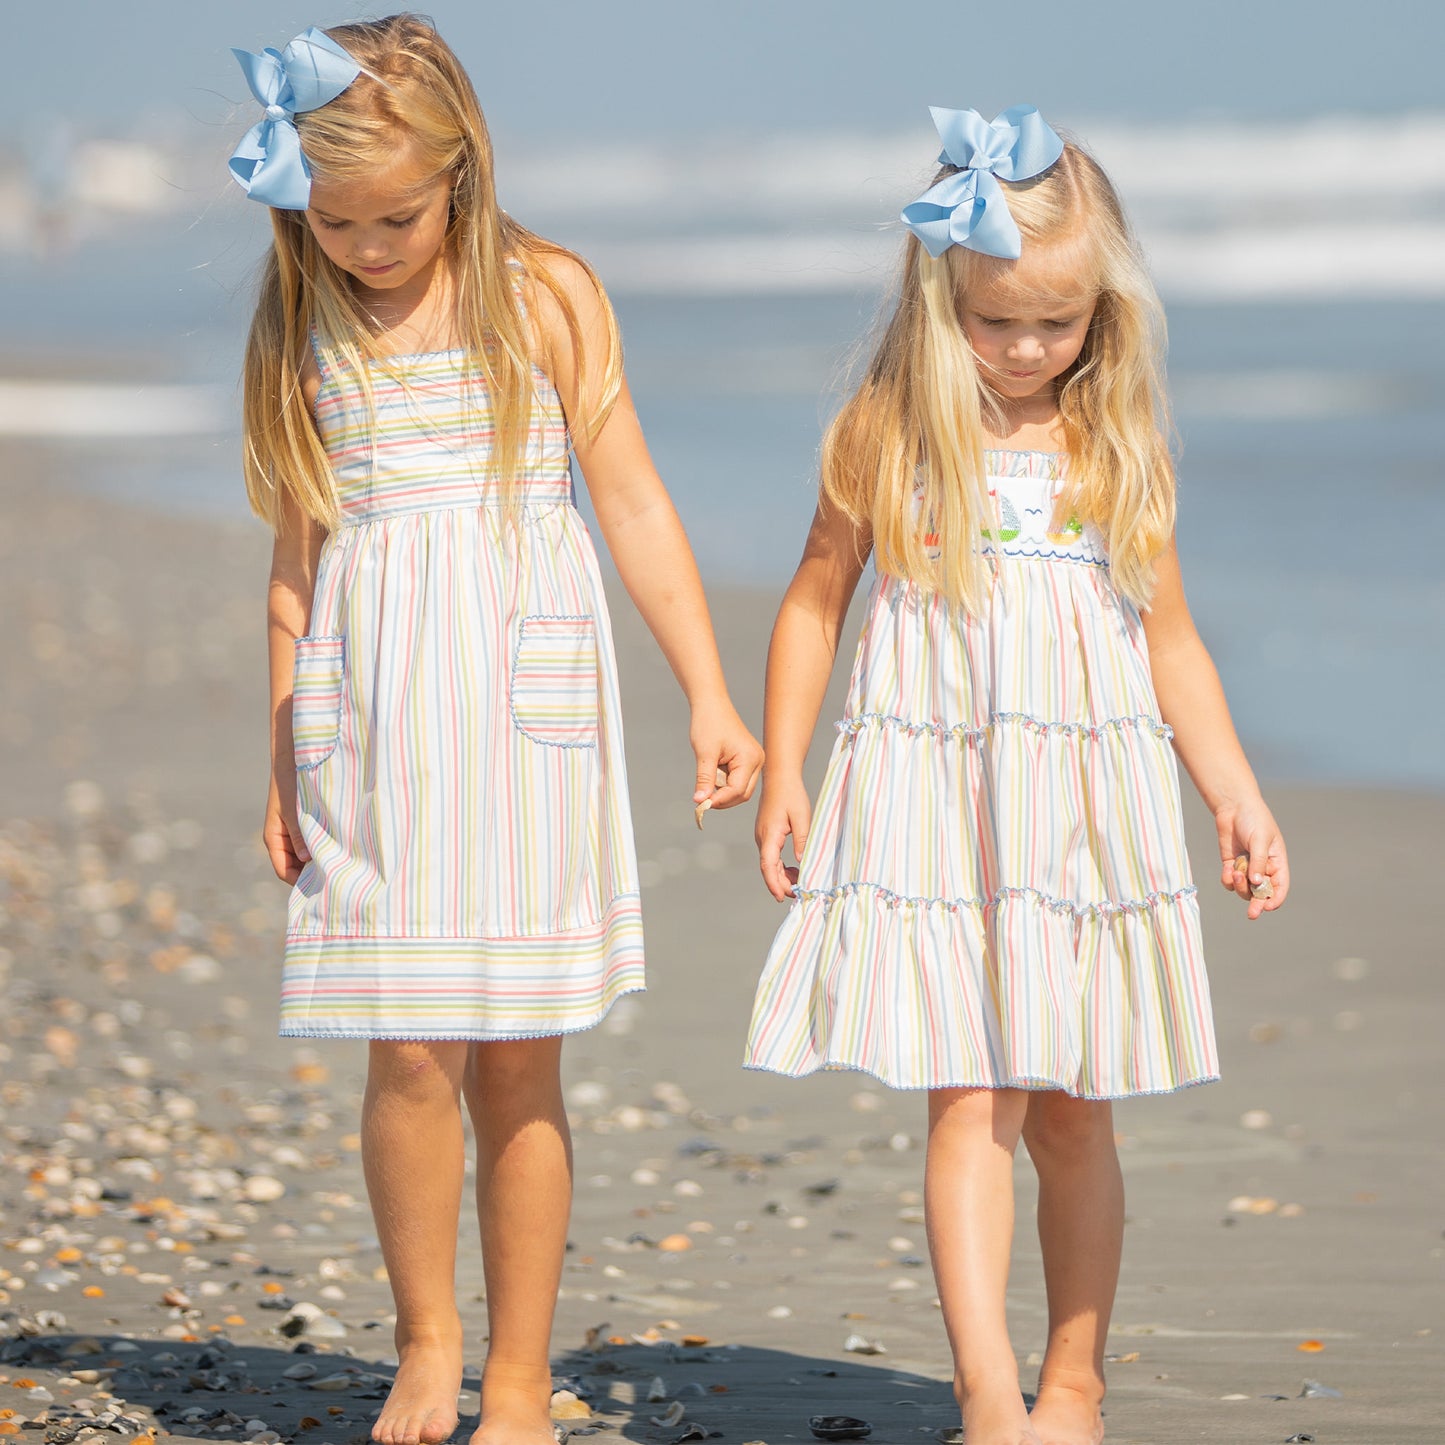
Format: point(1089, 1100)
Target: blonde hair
point(916, 421)
point(411, 96)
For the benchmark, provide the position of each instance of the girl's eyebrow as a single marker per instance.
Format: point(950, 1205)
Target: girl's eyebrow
point(395, 213)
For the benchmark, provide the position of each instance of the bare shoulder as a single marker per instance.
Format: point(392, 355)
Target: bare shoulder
point(570, 319)
point(558, 283)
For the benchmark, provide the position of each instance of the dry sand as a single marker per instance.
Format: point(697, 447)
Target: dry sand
point(176, 1177)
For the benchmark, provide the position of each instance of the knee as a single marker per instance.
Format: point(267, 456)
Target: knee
point(414, 1069)
point(1060, 1130)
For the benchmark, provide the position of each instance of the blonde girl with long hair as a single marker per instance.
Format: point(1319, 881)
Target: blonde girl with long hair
point(993, 901)
point(448, 796)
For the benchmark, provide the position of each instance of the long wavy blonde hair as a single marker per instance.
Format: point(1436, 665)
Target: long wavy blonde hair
point(917, 420)
point(412, 95)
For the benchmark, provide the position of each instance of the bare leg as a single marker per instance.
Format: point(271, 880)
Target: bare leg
point(412, 1151)
point(1081, 1232)
point(524, 1199)
point(968, 1196)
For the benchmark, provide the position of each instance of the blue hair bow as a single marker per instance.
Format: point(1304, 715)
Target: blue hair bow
point(968, 208)
point(312, 70)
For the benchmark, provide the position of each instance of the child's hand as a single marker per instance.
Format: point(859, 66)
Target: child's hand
point(725, 750)
point(785, 810)
point(1249, 833)
point(281, 832)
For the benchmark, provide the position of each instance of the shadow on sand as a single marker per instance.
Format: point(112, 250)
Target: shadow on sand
point(216, 1390)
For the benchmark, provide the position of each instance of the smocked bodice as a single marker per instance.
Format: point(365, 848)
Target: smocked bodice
point(1024, 488)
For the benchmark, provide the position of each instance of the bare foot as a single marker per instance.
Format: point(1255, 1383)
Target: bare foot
point(1063, 1415)
point(997, 1420)
point(516, 1405)
point(422, 1406)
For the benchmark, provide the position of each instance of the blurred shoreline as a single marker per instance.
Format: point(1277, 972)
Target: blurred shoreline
point(1310, 447)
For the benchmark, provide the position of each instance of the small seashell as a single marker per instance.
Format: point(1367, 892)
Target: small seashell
point(656, 1391)
point(1263, 889)
point(671, 1416)
point(566, 1406)
point(701, 808)
point(858, 1345)
point(332, 1382)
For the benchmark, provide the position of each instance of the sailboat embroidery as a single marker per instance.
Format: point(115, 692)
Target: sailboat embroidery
point(1008, 527)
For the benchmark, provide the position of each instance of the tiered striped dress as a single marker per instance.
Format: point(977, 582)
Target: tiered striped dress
point(995, 891)
point(458, 743)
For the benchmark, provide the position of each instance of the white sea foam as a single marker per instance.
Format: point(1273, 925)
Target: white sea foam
point(92, 409)
point(1310, 209)
point(1216, 167)
point(1295, 261)
point(1317, 209)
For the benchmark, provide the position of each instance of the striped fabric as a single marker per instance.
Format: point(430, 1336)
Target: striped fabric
point(995, 891)
point(553, 690)
point(460, 769)
point(316, 698)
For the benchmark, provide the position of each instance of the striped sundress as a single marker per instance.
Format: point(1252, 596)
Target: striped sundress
point(460, 772)
point(994, 890)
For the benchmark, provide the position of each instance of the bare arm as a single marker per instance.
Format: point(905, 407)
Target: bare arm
point(294, 556)
point(650, 550)
point(800, 662)
point(1191, 701)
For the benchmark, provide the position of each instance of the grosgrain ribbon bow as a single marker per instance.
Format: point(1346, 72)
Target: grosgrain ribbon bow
point(968, 208)
point(312, 70)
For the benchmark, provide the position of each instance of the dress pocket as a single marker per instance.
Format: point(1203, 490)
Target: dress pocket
point(554, 681)
point(316, 698)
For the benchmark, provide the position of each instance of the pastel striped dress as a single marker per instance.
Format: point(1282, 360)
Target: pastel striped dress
point(459, 758)
point(994, 890)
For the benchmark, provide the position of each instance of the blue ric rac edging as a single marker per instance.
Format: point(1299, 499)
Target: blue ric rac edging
point(1108, 908)
point(963, 732)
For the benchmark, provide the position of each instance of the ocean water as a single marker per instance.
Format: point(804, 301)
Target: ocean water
point(1312, 514)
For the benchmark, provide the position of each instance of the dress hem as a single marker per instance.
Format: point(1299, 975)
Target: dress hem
point(470, 1036)
point(1037, 1085)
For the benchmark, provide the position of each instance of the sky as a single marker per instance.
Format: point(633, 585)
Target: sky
point(652, 68)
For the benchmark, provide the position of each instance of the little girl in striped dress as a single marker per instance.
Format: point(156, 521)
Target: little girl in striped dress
point(993, 901)
point(448, 793)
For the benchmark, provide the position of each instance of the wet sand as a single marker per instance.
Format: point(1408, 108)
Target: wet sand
point(182, 1217)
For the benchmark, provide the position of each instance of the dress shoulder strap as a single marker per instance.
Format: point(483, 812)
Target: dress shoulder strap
point(313, 335)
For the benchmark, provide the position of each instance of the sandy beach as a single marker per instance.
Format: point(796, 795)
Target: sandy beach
point(185, 1246)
